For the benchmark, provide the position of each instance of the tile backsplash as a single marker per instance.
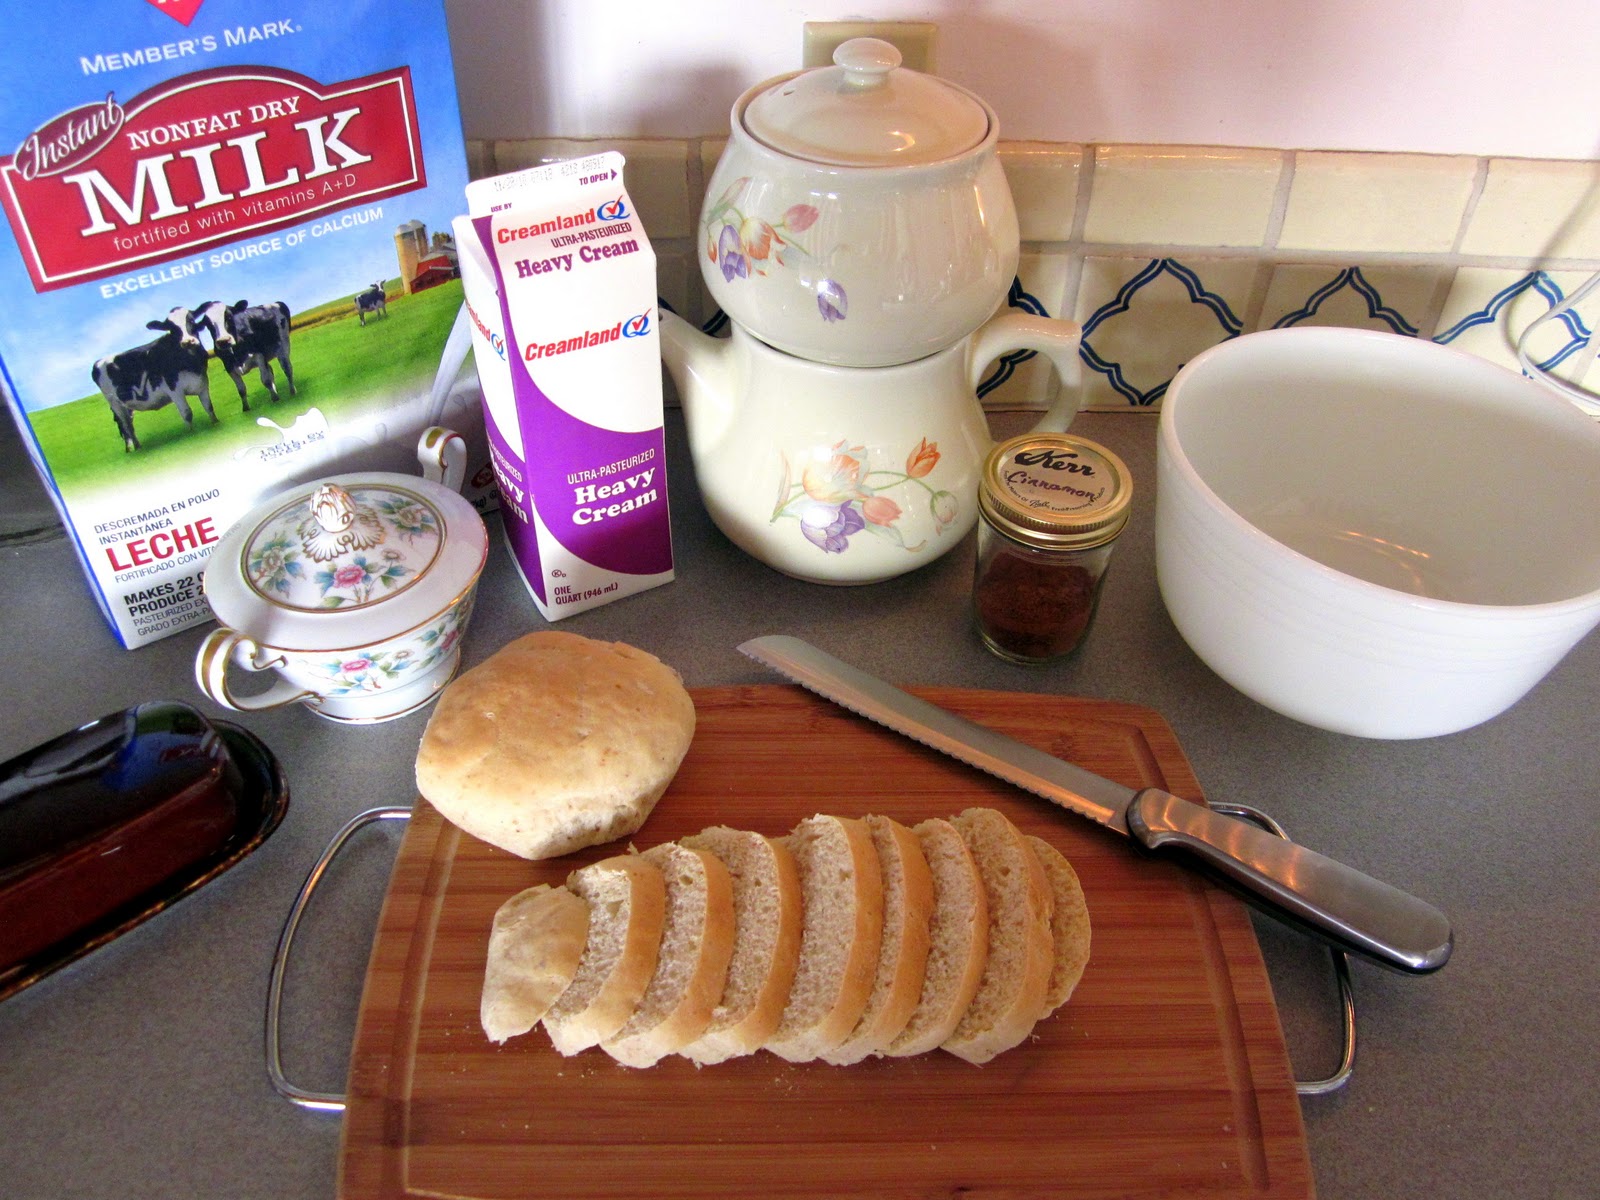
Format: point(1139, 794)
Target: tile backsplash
point(1162, 251)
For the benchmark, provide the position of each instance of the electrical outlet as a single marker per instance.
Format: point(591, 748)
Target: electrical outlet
point(914, 39)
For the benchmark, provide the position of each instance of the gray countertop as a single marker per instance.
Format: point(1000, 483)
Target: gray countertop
point(138, 1071)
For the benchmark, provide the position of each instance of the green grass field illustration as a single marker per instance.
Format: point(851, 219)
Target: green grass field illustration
point(340, 367)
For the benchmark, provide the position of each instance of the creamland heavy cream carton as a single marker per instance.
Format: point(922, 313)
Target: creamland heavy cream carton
point(229, 266)
point(561, 290)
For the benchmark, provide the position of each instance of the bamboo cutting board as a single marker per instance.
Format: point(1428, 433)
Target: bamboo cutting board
point(1166, 1075)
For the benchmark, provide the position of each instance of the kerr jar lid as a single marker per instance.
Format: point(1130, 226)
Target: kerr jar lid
point(1055, 491)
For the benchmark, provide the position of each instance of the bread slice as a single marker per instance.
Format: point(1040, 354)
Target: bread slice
point(696, 943)
point(958, 944)
point(535, 946)
point(903, 956)
point(1011, 995)
point(767, 911)
point(627, 898)
point(843, 929)
point(1069, 924)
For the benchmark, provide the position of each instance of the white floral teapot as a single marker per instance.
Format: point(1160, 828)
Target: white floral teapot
point(848, 474)
point(858, 215)
point(354, 591)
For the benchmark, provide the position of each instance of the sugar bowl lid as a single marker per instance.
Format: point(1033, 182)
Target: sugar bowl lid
point(866, 111)
point(346, 561)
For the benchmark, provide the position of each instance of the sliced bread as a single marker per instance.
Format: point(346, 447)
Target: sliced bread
point(1069, 925)
point(903, 955)
point(1011, 994)
point(627, 898)
point(535, 946)
point(767, 910)
point(842, 931)
point(696, 943)
point(958, 943)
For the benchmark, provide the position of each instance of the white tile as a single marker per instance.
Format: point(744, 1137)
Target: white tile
point(1537, 209)
point(1144, 318)
point(1044, 183)
point(1400, 203)
point(480, 158)
point(1390, 299)
point(677, 280)
point(1182, 195)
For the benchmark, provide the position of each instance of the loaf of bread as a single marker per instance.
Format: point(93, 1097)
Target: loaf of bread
point(555, 742)
point(847, 939)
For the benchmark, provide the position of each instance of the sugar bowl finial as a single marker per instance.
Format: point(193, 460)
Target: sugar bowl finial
point(332, 507)
point(338, 525)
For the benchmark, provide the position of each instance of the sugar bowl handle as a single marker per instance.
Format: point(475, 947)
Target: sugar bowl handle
point(443, 455)
point(223, 646)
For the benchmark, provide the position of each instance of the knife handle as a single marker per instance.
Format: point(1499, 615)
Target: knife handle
point(1337, 903)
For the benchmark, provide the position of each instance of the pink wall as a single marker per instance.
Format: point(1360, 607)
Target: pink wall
point(1497, 77)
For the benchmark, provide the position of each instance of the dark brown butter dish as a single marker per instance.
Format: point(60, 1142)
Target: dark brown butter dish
point(106, 825)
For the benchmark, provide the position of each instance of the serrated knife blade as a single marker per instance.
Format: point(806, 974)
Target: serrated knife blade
point(1336, 902)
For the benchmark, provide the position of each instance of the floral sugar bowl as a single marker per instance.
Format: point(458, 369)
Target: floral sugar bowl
point(353, 590)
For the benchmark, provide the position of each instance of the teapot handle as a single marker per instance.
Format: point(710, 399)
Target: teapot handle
point(1055, 339)
point(443, 455)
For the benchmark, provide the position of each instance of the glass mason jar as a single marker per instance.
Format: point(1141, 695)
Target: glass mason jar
point(1050, 506)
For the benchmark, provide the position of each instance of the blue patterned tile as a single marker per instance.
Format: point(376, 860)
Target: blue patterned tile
point(1391, 299)
point(1567, 335)
point(1489, 308)
point(1143, 319)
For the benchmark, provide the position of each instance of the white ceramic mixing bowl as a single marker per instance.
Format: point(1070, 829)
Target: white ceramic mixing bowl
point(1374, 534)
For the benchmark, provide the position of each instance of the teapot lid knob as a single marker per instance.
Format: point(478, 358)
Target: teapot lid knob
point(866, 61)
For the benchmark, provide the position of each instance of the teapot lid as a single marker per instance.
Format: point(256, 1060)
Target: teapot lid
point(867, 111)
point(346, 561)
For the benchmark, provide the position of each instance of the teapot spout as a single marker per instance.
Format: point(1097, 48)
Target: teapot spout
point(700, 367)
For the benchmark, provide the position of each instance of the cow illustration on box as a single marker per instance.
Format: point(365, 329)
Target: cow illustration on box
point(174, 366)
point(166, 371)
point(247, 338)
point(373, 301)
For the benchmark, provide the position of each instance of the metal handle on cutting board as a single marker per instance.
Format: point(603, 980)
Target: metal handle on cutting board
point(1341, 974)
point(315, 1101)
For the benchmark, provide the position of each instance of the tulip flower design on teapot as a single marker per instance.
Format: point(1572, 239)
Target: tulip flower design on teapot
point(840, 494)
point(742, 245)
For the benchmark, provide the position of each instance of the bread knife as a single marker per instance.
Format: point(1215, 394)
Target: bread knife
point(1333, 901)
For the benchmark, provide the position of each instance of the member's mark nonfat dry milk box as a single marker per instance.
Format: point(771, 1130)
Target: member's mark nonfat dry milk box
point(561, 291)
point(230, 265)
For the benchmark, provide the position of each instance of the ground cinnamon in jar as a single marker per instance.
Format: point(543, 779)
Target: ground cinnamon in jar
point(1051, 507)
